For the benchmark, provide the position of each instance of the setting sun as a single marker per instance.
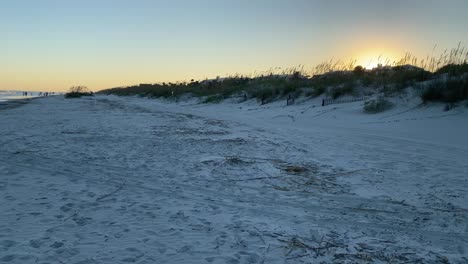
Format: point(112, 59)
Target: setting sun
point(371, 59)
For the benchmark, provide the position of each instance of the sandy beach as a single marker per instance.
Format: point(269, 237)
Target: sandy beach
point(7, 104)
point(110, 179)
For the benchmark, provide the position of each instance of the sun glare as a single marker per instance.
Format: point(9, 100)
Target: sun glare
point(371, 65)
point(372, 59)
point(371, 62)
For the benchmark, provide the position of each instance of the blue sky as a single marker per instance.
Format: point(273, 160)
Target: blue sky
point(56, 44)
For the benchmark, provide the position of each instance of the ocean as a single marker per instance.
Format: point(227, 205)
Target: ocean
point(11, 95)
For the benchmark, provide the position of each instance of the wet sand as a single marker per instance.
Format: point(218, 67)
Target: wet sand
point(13, 103)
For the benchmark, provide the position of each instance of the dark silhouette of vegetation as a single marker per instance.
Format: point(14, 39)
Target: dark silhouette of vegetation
point(449, 90)
point(268, 88)
point(332, 79)
point(78, 91)
point(454, 69)
point(346, 88)
point(359, 70)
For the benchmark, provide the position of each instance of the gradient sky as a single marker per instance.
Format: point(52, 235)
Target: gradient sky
point(54, 44)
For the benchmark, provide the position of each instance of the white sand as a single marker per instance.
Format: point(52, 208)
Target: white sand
point(130, 180)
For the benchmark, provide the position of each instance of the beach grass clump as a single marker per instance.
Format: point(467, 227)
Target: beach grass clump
point(447, 90)
point(78, 91)
point(453, 69)
point(216, 98)
point(315, 91)
point(341, 90)
point(407, 74)
point(265, 94)
point(377, 106)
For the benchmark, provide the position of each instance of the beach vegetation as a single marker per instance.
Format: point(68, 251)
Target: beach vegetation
point(333, 79)
point(448, 90)
point(78, 91)
point(377, 106)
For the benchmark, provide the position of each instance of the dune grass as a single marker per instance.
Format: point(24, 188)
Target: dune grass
point(331, 78)
point(448, 90)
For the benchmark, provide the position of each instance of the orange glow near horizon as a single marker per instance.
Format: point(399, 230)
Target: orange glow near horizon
point(53, 45)
point(370, 59)
point(97, 76)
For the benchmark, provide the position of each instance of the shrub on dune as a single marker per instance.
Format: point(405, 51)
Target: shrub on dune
point(377, 106)
point(78, 91)
point(450, 90)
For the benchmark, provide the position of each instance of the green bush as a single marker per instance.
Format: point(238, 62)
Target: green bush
point(453, 69)
point(290, 87)
point(449, 90)
point(377, 106)
point(317, 90)
point(404, 74)
point(213, 99)
point(345, 89)
point(264, 95)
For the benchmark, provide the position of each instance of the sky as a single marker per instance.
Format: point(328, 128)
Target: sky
point(55, 44)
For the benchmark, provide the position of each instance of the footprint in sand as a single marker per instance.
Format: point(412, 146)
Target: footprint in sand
point(67, 252)
point(180, 216)
point(137, 255)
point(7, 258)
point(81, 221)
point(67, 207)
point(57, 245)
point(10, 198)
point(37, 243)
point(185, 248)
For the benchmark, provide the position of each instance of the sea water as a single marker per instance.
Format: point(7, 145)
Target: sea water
point(11, 95)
